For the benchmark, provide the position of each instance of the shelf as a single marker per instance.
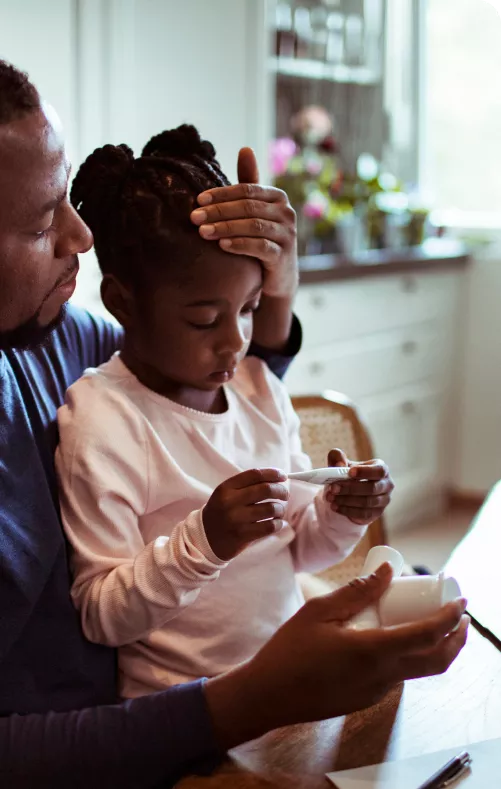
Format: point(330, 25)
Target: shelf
point(331, 72)
point(432, 254)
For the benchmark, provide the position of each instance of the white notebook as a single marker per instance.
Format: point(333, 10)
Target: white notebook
point(485, 770)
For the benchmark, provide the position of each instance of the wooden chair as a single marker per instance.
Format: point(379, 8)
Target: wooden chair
point(328, 421)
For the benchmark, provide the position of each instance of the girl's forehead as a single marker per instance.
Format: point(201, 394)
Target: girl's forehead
point(214, 276)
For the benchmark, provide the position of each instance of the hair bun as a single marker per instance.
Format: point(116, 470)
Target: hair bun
point(181, 143)
point(101, 177)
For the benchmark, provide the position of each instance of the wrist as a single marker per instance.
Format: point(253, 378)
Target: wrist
point(199, 537)
point(240, 708)
point(284, 289)
point(273, 322)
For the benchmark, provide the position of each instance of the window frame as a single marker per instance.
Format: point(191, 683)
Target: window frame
point(480, 227)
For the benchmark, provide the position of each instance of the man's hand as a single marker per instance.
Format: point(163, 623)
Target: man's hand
point(238, 511)
point(366, 495)
point(248, 219)
point(315, 668)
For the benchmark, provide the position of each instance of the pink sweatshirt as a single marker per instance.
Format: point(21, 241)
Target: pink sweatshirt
point(135, 471)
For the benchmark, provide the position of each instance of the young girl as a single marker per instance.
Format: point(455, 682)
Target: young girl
point(186, 536)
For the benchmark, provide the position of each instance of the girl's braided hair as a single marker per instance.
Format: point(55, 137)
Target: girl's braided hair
point(139, 209)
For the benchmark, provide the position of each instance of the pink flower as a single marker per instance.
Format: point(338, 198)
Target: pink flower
point(314, 210)
point(313, 165)
point(281, 152)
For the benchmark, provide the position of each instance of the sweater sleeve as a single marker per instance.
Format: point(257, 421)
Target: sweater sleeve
point(322, 537)
point(279, 363)
point(123, 586)
point(140, 743)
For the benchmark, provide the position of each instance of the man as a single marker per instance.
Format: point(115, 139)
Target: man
point(61, 724)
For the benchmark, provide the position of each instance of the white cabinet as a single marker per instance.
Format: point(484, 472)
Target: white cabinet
point(390, 343)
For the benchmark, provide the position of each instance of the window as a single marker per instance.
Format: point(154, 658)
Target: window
point(461, 102)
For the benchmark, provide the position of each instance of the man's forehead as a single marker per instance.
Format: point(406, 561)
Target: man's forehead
point(32, 160)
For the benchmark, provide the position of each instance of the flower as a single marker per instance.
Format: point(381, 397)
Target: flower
point(316, 206)
point(281, 152)
point(313, 164)
point(311, 125)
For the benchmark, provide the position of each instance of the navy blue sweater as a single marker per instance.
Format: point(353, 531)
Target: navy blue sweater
point(60, 722)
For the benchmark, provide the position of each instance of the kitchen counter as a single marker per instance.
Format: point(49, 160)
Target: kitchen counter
point(435, 253)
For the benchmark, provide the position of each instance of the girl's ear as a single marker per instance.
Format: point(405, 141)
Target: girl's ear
point(119, 300)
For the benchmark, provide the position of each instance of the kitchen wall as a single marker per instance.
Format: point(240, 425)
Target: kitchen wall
point(478, 457)
point(123, 70)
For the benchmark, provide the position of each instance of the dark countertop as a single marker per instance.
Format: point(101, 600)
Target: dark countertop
point(435, 253)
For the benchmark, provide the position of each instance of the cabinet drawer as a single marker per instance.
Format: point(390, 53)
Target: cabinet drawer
point(379, 362)
point(416, 498)
point(406, 431)
point(340, 310)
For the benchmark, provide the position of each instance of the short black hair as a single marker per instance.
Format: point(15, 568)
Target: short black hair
point(139, 209)
point(18, 95)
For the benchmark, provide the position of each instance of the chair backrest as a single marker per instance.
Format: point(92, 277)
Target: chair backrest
point(331, 421)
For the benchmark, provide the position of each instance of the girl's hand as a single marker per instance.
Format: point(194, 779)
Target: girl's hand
point(364, 498)
point(238, 512)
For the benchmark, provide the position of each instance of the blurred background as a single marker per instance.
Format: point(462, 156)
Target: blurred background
point(382, 121)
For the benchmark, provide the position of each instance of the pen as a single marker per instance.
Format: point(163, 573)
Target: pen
point(449, 772)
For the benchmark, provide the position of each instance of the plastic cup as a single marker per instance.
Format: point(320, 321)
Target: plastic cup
point(416, 597)
point(381, 554)
point(407, 600)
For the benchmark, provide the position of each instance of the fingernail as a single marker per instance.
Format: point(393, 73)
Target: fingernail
point(340, 463)
point(225, 243)
point(463, 603)
point(199, 216)
point(207, 230)
point(204, 199)
point(335, 489)
point(353, 472)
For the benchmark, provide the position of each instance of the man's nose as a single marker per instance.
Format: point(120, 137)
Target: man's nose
point(76, 237)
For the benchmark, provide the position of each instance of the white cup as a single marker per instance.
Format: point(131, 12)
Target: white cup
point(381, 554)
point(416, 597)
point(374, 559)
point(407, 599)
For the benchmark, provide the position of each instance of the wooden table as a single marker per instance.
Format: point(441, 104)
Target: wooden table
point(476, 564)
point(457, 708)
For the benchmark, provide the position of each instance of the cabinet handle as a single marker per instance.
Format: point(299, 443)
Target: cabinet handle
point(409, 284)
point(318, 301)
point(409, 347)
point(317, 368)
point(409, 408)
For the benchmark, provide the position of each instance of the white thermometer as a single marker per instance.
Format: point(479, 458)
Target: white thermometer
point(322, 476)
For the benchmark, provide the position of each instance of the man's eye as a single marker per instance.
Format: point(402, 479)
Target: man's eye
point(44, 233)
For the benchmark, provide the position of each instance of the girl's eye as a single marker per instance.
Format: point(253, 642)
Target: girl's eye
point(202, 326)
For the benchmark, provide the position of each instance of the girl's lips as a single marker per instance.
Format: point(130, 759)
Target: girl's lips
point(222, 376)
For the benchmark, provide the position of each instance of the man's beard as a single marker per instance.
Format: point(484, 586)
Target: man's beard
point(30, 334)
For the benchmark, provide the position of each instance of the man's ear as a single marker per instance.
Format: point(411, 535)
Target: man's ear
point(118, 299)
